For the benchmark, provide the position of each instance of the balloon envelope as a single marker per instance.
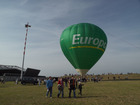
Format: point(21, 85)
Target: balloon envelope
point(83, 44)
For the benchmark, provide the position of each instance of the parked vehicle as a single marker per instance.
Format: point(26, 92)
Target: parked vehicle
point(30, 80)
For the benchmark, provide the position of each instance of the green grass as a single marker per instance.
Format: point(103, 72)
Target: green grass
point(102, 93)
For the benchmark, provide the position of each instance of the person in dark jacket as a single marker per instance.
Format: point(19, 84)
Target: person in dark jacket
point(72, 83)
point(80, 88)
point(66, 81)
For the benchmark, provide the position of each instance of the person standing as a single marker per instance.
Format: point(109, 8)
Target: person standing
point(49, 85)
point(72, 83)
point(80, 88)
point(66, 80)
point(2, 80)
point(39, 82)
point(60, 88)
point(17, 81)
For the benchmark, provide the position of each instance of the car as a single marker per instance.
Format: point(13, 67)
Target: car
point(29, 80)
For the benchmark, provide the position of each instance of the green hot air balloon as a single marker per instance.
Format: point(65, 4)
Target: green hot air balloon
point(83, 45)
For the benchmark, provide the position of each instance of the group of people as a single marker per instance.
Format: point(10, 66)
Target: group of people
point(72, 87)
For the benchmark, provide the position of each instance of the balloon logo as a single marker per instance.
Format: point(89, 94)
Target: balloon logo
point(83, 45)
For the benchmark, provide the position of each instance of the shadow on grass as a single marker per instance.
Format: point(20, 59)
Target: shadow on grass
point(86, 97)
point(92, 96)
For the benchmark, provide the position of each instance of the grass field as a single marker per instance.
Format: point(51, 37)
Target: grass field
point(102, 93)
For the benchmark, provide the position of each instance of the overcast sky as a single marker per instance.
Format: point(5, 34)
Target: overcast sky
point(120, 20)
